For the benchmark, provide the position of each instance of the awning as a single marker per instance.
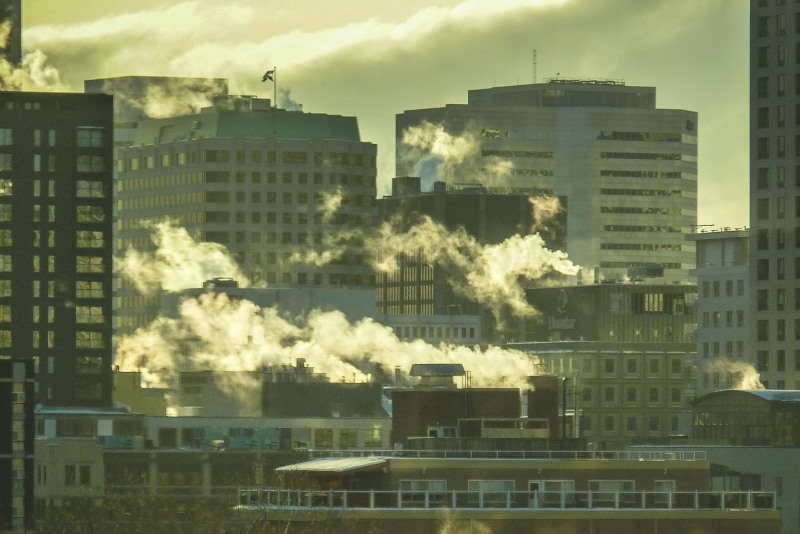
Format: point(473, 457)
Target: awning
point(335, 465)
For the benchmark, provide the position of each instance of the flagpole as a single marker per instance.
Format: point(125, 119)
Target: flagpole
point(275, 87)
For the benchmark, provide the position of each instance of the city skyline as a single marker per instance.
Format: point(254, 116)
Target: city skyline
point(425, 54)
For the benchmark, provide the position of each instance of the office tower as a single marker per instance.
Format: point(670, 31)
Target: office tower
point(628, 168)
point(11, 21)
point(254, 179)
point(722, 307)
point(16, 444)
point(774, 191)
point(55, 242)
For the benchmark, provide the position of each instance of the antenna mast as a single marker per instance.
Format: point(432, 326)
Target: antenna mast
point(534, 66)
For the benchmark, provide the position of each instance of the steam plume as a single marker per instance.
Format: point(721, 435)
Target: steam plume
point(218, 334)
point(34, 74)
point(439, 155)
point(171, 97)
point(741, 375)
point(179, 262)
point(489, 274)
point(285, 101)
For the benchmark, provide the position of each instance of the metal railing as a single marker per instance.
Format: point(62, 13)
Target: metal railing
point(521, 455)
point(274, 498)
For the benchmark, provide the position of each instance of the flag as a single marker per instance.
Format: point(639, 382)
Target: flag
point(268, 76)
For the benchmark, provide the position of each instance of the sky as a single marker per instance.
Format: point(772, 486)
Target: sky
point(375, 58)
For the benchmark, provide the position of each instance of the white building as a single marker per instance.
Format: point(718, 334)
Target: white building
point(627, 168)
point(722, 307)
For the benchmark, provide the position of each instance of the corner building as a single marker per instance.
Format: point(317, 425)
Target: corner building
point(775, 191)
point(254, 179)
point(627, 168)
point(55, 242)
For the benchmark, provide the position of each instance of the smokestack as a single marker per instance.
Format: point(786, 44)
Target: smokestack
point(398, 377)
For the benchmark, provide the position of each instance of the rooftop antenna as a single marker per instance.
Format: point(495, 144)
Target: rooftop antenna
point(534, 65)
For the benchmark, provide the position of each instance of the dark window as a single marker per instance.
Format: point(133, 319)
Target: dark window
point(763, 118)
point(762, 56)
point(762, 27)
point(762, 300)
point(762, 148)
point(762, 87)
point(762, 361)
point(762, 327)
point(762, 269)
point(762, 178)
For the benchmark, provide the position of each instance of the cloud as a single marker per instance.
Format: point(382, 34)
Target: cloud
point(695, 53)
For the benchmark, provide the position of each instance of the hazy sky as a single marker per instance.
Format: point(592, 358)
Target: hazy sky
point(376, 58)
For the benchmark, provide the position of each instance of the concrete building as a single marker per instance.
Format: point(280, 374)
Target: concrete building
point(774, 193)
point(254, 179)
point(55, 242)
point(627, 352)
point(17, 428)
point(11, 13)
point(627, 168)
point(723, 307)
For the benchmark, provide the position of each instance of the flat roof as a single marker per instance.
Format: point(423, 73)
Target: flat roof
point(335, 465)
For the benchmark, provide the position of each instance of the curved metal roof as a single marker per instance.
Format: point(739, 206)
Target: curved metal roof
point(769, 395)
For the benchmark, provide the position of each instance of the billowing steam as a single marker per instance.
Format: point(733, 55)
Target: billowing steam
point(34, 74)
point(285, 100)
point(179, 262)
point(741, 375)
point(170, 97)
point(218, 334)
point(440, 156)
point(545, 209)
point(488, 274)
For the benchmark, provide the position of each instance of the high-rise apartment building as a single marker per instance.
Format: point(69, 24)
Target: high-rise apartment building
point(627, 168)
point(255, 179)
point(775, 191)
point(55, 242)
point(11, 20)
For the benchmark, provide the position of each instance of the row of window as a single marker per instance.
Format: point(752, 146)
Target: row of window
point(86, 137)
point(224, 177)
point(634, 210)
point(765, 363)
point(644, 174)
point(764, 151)
point(714, 288)
point(715, 318)
point(84, 289)
point(83, 340)
point(641, 246)
point(776, 330)
point(610, 424)
point(767, 209)
point(656, 137)
point(241, 157)
point(84, 163)
point(775, 269)
point(712, 348)
point(610, 395)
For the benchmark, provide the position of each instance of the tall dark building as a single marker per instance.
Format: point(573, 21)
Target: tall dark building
point(11, 14)
point(774, 328)
point(55, 242)
point(16, 444)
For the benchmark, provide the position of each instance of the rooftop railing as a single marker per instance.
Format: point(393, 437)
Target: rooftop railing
point(518, 455)
point(274, 498)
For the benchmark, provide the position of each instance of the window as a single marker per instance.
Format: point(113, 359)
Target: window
point(763, 118)
point(89, 264)
point(89, 239)
point(608, 366)
point(608, 394)
point(631, 395)
point(90, 137)
point(90, 214)
point(90, 189)
point(89, 315)
point(654, 367)
point(89, 340)
point(87, 163)
point(608, 491)
point(88, 290)
point(762, 147)
point(653, 395)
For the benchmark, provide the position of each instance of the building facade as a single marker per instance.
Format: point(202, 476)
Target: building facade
point(17, 427)
point(775, 192)
point(723, 310)
point(55, 242)
point(627, 168)
point(256, 180)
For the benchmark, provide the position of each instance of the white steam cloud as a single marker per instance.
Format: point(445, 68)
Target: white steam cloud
point(171, 97)
point(740, 375)
point(34, 74)
point(440, 156)
point(488, 274)
point(179, 262)
point(222, 335)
